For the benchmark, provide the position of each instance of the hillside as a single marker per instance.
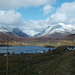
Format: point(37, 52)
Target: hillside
point(40, 64)
point(70, 37)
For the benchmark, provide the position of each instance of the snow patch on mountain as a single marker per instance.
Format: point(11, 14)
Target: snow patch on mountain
point(19, 32)
point(58, 28)
point(5, 28)
point(12, 31)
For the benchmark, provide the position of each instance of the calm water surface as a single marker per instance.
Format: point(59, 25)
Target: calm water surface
point(24, 49)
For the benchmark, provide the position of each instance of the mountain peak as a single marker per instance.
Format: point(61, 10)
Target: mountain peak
point(5, 28)
point(19, 32)
point(57, 28)
point(12, 31)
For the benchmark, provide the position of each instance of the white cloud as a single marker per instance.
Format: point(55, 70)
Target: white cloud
point(31, 32)
point(14, 4)
point(47, 9)
point(65, 14)
point(11, 18)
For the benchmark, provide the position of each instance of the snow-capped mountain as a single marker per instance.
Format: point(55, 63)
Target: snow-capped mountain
point(12, 31)
point(19, 32)
point(5, 28)
point(57, 30)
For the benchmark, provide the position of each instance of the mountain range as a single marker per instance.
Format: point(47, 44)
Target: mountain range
point(12, 31)
point(57, 31)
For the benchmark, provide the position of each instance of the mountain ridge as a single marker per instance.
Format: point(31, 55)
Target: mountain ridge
point(12, 31)
point(57, 31)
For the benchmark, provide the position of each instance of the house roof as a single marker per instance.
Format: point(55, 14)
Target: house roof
point(71, 47)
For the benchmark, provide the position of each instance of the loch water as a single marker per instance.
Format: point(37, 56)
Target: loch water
point(23, 49)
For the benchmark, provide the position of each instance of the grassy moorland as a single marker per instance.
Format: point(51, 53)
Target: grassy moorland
point(56, 62)
point(49, 43)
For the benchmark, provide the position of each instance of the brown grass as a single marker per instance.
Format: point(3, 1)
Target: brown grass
point(39, 64)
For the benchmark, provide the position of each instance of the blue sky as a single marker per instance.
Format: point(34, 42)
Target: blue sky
point(36, 13)
point(31, 13)
point(32, 16)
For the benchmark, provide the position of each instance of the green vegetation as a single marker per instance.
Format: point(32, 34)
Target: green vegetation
point(56, 62)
